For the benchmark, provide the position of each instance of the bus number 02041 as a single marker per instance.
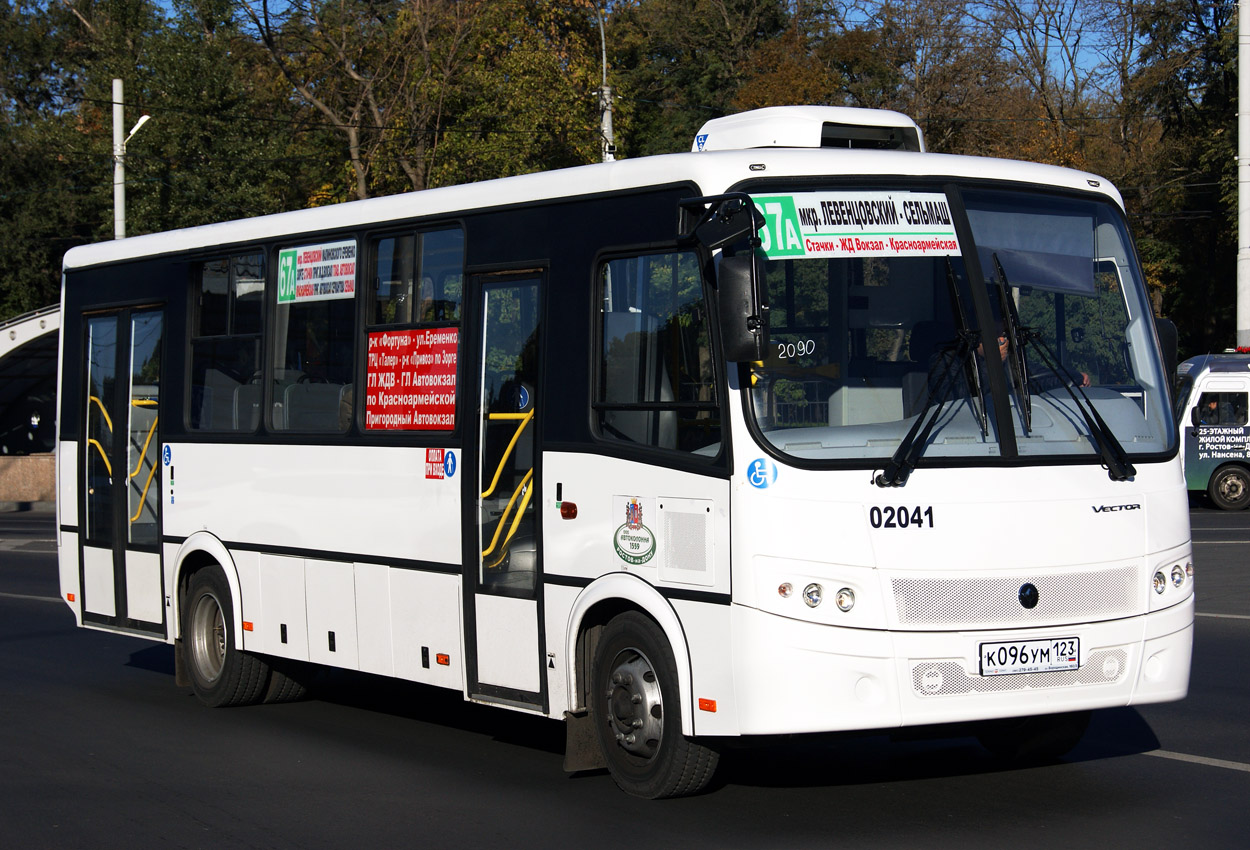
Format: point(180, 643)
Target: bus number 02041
point(901, 517)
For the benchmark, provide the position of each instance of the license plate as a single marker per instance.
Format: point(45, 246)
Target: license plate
point(1030, 656)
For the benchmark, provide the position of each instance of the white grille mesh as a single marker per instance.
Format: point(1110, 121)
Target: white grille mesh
point(947, 678)
point(685, 541)
point(995, 600)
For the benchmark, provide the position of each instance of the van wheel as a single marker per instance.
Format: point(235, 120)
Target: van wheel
point(636, 710)
point(1230, 488)
point(221, 674)
point(1033, 739)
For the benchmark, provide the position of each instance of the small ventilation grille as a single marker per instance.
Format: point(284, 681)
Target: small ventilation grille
point(948, 678)
point(686, 526)
point(685, 541)
point(991, 601)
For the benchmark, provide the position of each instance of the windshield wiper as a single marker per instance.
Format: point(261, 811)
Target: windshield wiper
point(1015, 350)
point(1113, 455)
point(1112, 451)
point(904, 459)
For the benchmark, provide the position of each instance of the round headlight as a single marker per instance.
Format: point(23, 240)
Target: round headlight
point(1160, 583)
point(785, 589)
point(813, 595)
point(845, 599)
point(1178, 575)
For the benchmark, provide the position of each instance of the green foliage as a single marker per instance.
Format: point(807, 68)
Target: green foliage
point(278, 104)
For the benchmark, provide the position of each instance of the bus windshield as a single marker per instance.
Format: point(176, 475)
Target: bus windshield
point(874, 324)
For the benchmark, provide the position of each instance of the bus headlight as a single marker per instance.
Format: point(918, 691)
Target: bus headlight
point(813, 595)
point(845, 599)
point(1178, 575)
point(1160, 582)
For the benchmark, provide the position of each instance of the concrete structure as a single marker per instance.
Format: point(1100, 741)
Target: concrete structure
point(28, 352)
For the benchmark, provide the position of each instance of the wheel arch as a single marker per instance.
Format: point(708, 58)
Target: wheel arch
point(598, 603)
point(197, 552)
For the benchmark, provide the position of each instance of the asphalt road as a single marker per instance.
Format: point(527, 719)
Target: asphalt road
point(99, 748)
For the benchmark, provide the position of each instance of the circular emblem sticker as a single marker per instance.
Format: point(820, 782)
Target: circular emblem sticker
point(449, 464)
point(633, 541)
point(762, 473)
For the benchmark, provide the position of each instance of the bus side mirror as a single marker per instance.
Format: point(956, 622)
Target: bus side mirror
point(742, 307)
point(1193, 417)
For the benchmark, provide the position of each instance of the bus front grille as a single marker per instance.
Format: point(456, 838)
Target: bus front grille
point(948, 678)
point(994, 601)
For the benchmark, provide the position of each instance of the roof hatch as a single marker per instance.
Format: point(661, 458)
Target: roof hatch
point(811, 127)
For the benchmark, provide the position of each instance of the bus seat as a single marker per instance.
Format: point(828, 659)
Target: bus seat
point(635, 374)
point(312, 407)
point(927, 338)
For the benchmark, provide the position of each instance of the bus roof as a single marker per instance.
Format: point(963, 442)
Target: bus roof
point(712, 171)
point(1226, 362)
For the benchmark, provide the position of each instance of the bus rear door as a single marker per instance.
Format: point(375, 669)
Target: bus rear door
point(120, 458)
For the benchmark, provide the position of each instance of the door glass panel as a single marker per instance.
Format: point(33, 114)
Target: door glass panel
point(98, 468)
point(143, 447)
point(509, 395)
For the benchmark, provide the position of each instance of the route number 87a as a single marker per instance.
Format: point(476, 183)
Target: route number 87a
point(900, 517)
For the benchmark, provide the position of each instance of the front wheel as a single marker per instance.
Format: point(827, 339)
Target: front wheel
point(221, 674)
point(636, 708)
point(1230, 488)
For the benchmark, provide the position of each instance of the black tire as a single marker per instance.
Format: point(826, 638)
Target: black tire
point(287, 681)
point(1230, 488)
point(635, 705)
point(1033, 739)
point(221, 674)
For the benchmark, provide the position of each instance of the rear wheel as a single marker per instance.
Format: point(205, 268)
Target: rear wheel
point(635, 705)
point(221, 674)
point(1033, 739)
point(1230, 488)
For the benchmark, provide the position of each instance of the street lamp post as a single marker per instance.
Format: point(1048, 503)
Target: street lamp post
point(119, 159)
point(605, 97)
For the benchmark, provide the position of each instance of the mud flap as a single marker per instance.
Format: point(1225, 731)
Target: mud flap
point(581, 745)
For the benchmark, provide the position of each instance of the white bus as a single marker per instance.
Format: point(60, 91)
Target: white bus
point(678, 449)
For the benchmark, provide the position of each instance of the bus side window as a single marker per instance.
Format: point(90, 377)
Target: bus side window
point(315, 340)
point(1227, 409)
point(656, 384)
point(228, 297)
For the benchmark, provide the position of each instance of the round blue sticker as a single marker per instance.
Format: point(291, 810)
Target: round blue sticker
point(449, 464)
point(522, 398)
point(168, 454)
point(762, 473)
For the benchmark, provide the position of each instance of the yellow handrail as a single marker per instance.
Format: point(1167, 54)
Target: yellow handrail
point(107, 420)
point(507, 510)
point(92, 441)
point(146, 443)
point(144, 498)
point(525, 420)
point(145, 402)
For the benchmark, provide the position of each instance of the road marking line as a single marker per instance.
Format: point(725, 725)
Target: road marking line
point(1230, 765)
point(29, 597)
point(1224, 616)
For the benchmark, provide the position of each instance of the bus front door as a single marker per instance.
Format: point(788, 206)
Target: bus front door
point(119, 459)
point(503, 557)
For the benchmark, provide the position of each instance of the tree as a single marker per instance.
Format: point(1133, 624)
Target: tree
point(379, 73)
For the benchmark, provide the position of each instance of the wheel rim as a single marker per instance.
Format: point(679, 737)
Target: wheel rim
point(635, 703)
point(1233, 488)
point(208, 637)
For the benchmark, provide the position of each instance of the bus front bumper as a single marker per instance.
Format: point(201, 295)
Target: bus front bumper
point(792, 676)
